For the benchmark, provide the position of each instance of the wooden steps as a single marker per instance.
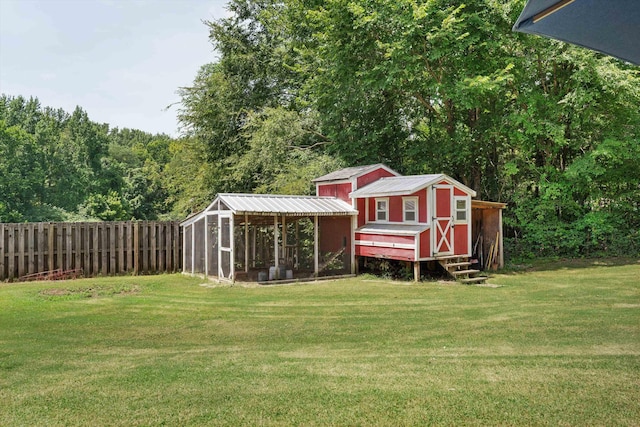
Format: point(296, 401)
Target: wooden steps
point(459, 270)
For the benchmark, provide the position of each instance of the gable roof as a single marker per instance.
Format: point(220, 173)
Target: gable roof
point(270, 205)
point(283, 204)
point(351, 172)
point(403, 185)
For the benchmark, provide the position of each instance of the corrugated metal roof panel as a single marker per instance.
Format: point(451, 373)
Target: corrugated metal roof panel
point(289, 205)
point(397, 185)
point(347, 173)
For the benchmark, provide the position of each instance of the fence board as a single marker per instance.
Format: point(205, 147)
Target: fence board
point(94, 248)
point(77, 250)
point(177, 258)
point(11, 252)
point(145, 246)
point(41, 247)
point(2, 273)
point(59, 253)
point(31, 241)
point(129, 258)
point(120, 244)
point(68, 252)
point(20, 235)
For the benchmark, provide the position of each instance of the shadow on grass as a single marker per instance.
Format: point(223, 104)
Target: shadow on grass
point(546, 264)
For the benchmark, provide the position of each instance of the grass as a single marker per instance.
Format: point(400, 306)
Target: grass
point(550, 346)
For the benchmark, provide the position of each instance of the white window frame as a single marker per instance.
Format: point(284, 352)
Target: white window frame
point(386, 209)
point(456, 210)
point(404, 209)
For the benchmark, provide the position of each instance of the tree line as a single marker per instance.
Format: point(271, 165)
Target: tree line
point(302, 87)
point(56, 166)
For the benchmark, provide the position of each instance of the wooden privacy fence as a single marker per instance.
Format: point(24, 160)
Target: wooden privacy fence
point(89, 248)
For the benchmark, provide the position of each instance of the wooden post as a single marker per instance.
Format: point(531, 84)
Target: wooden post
point(193, 247)
point(246, 243)
point(296, 264)
point(206, 245)
point(220, 269)
point(284, 238)
point(316, 265)
point(184, 250)
point(275, 240)
point(253, 246)
point(501, 247)
point(352, 237)
point(416, 271)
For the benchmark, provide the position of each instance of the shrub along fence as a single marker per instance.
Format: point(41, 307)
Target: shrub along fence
point(53, 249)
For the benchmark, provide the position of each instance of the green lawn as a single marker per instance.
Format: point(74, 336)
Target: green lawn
point(551, 346)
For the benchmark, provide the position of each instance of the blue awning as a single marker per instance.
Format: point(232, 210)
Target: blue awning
point(608, 26)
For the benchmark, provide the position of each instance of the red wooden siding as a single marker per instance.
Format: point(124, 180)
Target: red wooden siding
point(341, 191)
point(375, 175)
point(385, 238)
point(443, 202)
point(425, 244)
point(458, 192)
point(461, 239)
point(372, 210)
point(395, 209)
point(389, 253)
point(361, 206)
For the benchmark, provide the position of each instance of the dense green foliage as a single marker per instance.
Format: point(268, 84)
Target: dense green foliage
point(549, 347)
point(60, 166)
point(302, 87)
point(551, 129)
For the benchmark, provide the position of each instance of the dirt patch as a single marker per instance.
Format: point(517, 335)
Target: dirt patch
point(89, 292)
point(55, 292)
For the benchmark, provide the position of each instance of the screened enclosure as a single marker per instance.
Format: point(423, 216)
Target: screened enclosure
point(263, 238)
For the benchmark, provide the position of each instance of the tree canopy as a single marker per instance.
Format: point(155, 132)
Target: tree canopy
point(303, 87)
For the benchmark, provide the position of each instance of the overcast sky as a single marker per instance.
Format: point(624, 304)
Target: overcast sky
point(120, 60)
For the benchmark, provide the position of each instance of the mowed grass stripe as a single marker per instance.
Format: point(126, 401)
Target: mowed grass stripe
point(550, 346)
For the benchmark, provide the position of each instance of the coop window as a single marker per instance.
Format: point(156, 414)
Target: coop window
point(382, 209)
point(410, 209)
point(461, 209)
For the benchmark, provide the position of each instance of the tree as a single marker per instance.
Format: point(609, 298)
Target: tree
point(21, 176)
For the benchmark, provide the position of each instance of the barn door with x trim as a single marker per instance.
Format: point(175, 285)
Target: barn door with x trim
point(442, 220)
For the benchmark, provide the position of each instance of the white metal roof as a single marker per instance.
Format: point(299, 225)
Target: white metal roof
point(403, 185)
point(348, 173)
point(390, 228)
point(269, 204)
point(289, 205)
